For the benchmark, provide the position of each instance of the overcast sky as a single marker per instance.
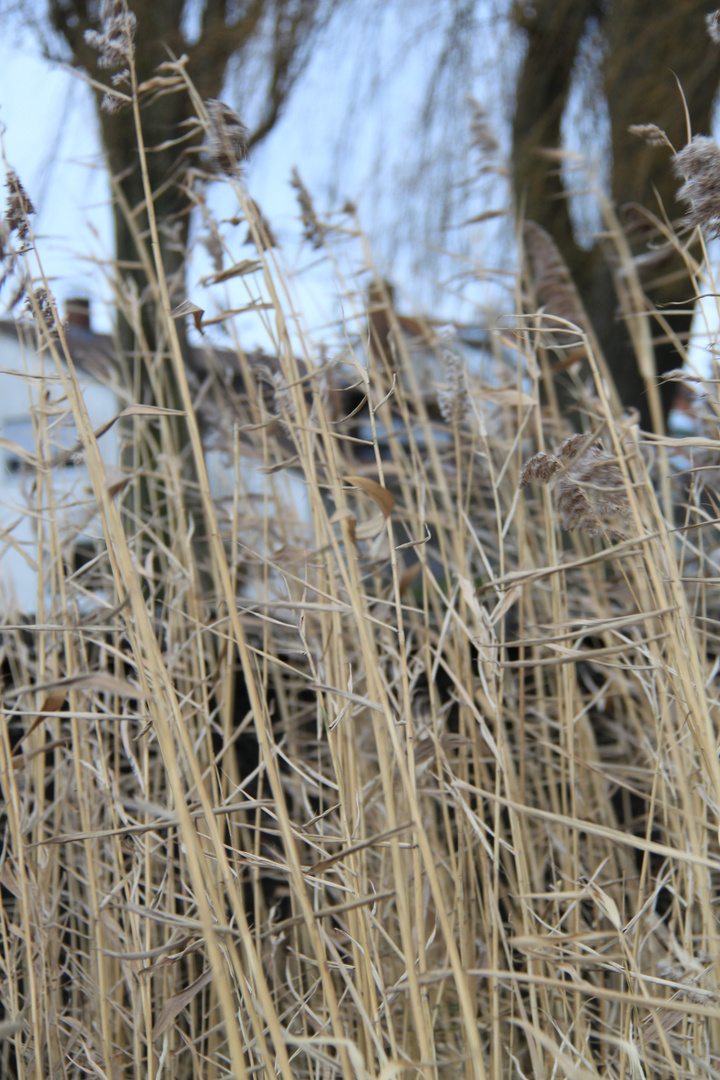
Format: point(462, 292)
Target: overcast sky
point(351, 129)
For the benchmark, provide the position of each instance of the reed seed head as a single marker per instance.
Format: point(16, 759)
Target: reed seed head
point(651, 133)
point(589, 484)
point(712, 21)
point(572, 447)
point(453, 399)
point(44, 305)
point(590, 490)
point(227, 138)
point(112, 102)
point(313, 229)
point(553, 286)
point(265, 235)
point(19, 206)
point(482, 137)
point(114, 41)
point(541, 467)
point(699, 164)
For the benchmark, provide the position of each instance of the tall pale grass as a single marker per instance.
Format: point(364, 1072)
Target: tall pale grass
point(418, 784)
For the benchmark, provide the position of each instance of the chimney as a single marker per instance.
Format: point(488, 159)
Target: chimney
point(77, 312)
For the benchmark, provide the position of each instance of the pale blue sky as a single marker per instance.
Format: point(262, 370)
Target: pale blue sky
point(340, 135)
point(334, 131)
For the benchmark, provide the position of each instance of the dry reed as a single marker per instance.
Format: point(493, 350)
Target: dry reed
point(394, 786)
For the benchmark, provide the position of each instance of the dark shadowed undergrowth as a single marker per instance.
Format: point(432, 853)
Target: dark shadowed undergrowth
point(398, 754)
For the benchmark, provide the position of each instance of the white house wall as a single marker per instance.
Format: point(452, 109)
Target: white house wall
point(32, 400)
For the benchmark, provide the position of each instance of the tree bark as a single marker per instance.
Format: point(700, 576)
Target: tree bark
point(648, 44)
point(228, 28)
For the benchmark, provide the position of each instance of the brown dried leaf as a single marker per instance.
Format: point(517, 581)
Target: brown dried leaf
point(223, 315)
point(189, 308)
point(408, 577)
point(53, 703)
point(91, 681)
point(371, 528)
point(115, 484)
point(504, 604)
point(175, 1005)
point(343, 514)
point(507, 396)
point(159, 82)
point(383, 499)
point(20, 760)
point(487, 216)
point(8, 881)
point(240, 269)
point(149, 410)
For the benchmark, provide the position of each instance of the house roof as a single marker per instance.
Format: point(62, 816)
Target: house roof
point(218, 377)
point(94, 354)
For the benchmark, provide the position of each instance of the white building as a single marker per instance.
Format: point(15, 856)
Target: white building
point(42, 478)
point(44, 484)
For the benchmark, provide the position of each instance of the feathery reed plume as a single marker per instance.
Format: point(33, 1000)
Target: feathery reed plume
point(19, 206)
point(4, 238)
point(114, 41)
point(651, 133)
point(313, 229)
point(227, 138)
point(482, 137)
point(44, 306)
point(553, 286)
point(541, 467)
point(212, 243)
point(589, 484)
point(453, 401)
point(113, 102)
point(712, 21)
point(265, 235)
point(284, 404)
point(341, 672)
point(699, 164)
point(276, 393)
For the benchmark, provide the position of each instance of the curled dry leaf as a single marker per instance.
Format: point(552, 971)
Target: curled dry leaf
point(132, 410)
point(371, 528)
point(383, 499)
point(408, 577)
point(97, 681)
point(344, 514)
point(53, 703)
point(189, 308)
point(240, 269)
point(507, 396)
point(256, 305)
point(175, 1004)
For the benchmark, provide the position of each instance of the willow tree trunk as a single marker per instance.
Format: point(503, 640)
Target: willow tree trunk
point(283, 31)
point(650, 48)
